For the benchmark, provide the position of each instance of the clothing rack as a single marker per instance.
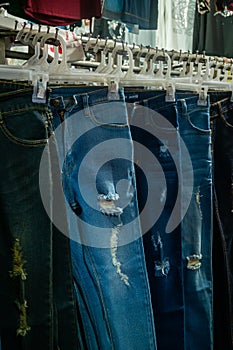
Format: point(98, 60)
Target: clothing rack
point(144, 66)
point(11, 25)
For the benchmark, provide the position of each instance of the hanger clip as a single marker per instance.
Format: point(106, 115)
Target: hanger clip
point(40, 88)
point(113, 90)
point(170, 93)
point(202, 101)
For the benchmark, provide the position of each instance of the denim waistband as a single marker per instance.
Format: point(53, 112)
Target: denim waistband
point(71, 90)
point(81, 96)
point(15, 100)
point(139, 94)
point(220, 104)
point(155, 99)
point(9, 85)
point(188, 104)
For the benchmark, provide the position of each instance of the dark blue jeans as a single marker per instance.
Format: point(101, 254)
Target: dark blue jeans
point(182, 292)
point(37, 304)
point(154, 125)
point(109, 266)
point(196, 227)
point(222, 148)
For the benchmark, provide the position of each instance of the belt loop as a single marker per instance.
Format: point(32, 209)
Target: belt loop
point(184, 107)
point(219, 104)
point(147, 112)
point(86, 107)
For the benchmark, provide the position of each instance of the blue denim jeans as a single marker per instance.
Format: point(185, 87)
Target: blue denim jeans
point(196, 227)
point(109, 266)
point(222, 148)
point(154, 125)
point(187, 287)
point(35, 298)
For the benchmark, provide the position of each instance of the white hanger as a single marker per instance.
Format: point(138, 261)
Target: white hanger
point(72, 75)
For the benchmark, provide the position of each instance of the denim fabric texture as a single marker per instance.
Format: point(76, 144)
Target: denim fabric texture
point(196, 227)
point(31, 311)
point(192, 324)
point(110, 274)
point(222, 148)
point(144, 14)
point(162, 249)
point(127, 285)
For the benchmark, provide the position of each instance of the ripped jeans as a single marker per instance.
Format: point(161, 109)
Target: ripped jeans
point(196, 227)
point(154, 129)
point(109, 268)
point(177, 134)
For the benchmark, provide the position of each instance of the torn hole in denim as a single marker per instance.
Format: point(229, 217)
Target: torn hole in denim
point(198, 200)
point(162, 264)
point(115, 261)
point(107, 204)
point(194, 261)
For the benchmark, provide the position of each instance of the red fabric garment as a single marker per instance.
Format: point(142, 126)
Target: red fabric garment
point(61, 12)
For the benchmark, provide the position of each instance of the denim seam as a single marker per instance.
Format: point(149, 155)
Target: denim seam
point(100, 294)
point(85, 329)
point(224, 248)
point(7, 82)
point(15, 92)
point(39, 143)
point(96, 122)
point(22, 142)
point(204, 131)
point(221, 113)
point(139, 243)
point(173, 130)
point(70, 292)
point(25, 109)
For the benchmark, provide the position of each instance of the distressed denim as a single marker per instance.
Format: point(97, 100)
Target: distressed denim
point(154, 125)
point(222, 148)
point(37, 303)
point(196, 227)
point(109, 268)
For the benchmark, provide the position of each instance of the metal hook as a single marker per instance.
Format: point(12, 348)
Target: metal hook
point(16, 24)
point(56, 33)
point(106, 40)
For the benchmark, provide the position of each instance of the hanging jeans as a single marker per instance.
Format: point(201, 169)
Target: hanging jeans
point(222, 146)
point(182, 303)
point(37, 303)
point(109, 268)
point(154, 128)
point(196, 227)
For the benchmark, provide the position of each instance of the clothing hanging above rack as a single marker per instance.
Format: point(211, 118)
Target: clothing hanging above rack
point(109, 61)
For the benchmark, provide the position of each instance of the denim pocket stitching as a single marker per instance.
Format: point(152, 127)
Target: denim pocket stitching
point(19, 141)
point(225, 122)
point(96, 122)
point(205, 131)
